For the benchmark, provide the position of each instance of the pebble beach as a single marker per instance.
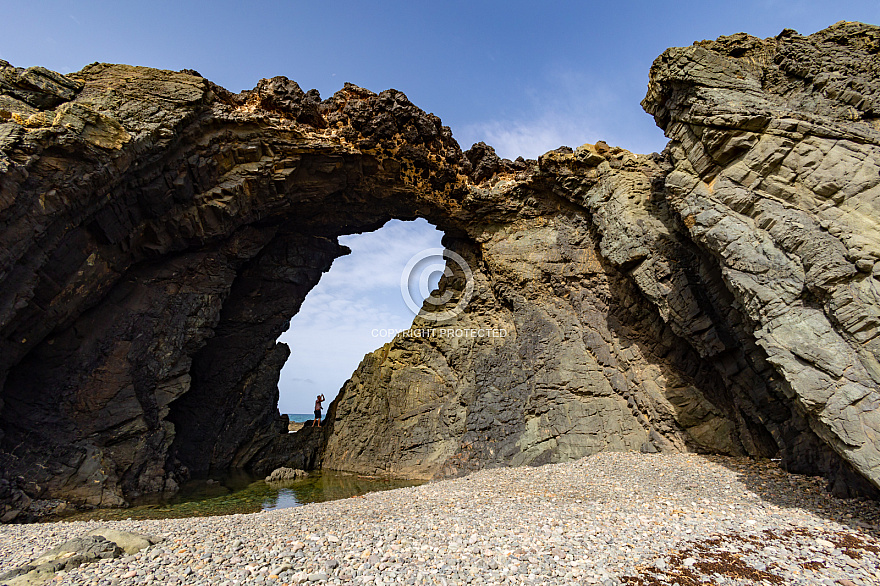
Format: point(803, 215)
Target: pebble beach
point(610, 519)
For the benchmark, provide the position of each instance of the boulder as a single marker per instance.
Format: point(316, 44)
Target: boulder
point(286, 475)
point(130, 543)
point(68, 555)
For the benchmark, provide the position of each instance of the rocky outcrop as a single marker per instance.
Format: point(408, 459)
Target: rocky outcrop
point(146, 279)
point(775, 158)
point(558, 355)
point(159, 232)
point(746, 236)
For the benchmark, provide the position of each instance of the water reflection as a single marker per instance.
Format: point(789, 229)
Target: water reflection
point(241, 493)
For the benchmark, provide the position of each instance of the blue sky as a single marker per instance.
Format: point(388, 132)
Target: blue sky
point(525, 77)
point(344, 316)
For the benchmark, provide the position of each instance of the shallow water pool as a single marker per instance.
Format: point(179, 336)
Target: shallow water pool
point(242, 493)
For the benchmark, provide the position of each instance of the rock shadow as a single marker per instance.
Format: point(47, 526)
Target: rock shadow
point(772, 484)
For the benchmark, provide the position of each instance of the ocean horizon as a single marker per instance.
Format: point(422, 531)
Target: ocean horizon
point(300, 417)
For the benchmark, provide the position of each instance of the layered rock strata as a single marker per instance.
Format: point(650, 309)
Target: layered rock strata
point(775, 156)
point(585, 363)
point(159, 232)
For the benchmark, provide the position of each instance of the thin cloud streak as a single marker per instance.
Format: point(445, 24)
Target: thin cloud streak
point(525, 138)
point(568, 109)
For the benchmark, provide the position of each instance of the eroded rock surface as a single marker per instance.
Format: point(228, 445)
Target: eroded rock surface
point(776, 174)
point(585, 362)
point(159, 232)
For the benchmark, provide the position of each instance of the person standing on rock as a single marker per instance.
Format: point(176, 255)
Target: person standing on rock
point(318, 402)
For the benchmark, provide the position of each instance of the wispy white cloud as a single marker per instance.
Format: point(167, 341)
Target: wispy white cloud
point(335, 326)
point(566, 108)
point(526, 138)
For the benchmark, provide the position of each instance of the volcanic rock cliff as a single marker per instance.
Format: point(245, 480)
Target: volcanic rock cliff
point(159, 232)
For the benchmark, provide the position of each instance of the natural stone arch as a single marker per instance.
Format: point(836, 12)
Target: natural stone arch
point(159, 232)
point(220, 208)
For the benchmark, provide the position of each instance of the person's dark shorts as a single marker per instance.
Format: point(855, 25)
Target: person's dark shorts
point(317, 413)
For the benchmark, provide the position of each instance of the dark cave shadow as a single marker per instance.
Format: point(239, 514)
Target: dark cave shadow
point(766, 478)
point(771, 484)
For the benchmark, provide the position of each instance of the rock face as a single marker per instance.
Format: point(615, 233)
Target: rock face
point(754, 239)
point(159, 232)
point(586, 363)
point(776, 175)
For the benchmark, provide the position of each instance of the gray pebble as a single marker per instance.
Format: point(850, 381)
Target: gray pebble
point(593, 521)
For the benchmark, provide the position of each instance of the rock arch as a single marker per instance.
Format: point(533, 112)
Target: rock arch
point(159, 232)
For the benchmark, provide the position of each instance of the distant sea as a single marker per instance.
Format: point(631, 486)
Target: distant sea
point(301, 417)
